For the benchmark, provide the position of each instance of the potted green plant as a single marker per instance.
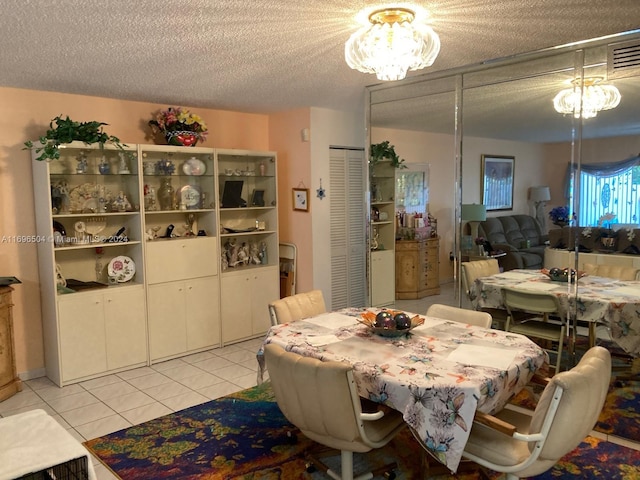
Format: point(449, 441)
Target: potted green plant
point(64, 130)
point(380, 151)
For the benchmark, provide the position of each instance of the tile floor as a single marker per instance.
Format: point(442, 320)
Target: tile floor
point(97, 407)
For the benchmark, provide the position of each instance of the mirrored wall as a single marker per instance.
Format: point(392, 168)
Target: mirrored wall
point(505, 109)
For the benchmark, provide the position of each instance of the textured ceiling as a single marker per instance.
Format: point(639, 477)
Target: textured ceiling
point(259, 56)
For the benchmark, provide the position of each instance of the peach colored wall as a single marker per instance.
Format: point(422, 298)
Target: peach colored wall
point(294, 170)
point(26, 115)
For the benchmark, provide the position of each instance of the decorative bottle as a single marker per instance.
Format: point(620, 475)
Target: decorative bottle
point(166, 194)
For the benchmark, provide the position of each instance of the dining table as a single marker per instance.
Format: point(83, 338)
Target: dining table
point(596, 300)
point(438, 374)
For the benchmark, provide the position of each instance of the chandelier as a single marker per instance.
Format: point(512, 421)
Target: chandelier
point(393, 41)
point(595, 97)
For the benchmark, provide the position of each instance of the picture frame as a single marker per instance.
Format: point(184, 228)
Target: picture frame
point(301, 199)
point(497, 182)
point(257, 198)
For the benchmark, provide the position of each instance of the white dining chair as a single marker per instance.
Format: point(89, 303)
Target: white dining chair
point(618, 272)
point(477, 269)
point(296, 307)
point(542, 304)
point(524, 445)
point(461, 315)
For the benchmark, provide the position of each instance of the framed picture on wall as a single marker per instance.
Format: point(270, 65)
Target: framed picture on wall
point(301, 199)
point(497, 182)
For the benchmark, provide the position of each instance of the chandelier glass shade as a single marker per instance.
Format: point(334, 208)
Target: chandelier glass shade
point(595, 97)
point(393, 43)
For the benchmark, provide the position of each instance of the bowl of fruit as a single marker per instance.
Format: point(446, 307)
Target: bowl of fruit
point(563, 274)
point(390, 323)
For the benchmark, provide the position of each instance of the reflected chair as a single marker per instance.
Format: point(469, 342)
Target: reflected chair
point(320, 398)
point(522, 445)
point(541, 304)
point(461, 315)
point(297, 307)
point(613, 271)
point(477, 269)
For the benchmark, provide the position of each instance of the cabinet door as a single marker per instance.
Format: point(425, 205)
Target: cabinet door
point(203, 312)
point(181, 259)
point(407, 269)
point(167, 320)
point(126, 335)
point(236, 307)
point(382, 278)
point(265, 289)
point(82, 336)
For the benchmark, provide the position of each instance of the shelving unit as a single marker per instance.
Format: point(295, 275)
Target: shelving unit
point(382, 234)
point(96, 206)
point(248, 241)
point(95, 195)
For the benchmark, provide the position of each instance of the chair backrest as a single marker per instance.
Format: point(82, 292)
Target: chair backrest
point(584, 389)
point(618, 272)
point(472, 270)
point(296, 307)
point(536, 302)
point(462, 315)
point(320, 398)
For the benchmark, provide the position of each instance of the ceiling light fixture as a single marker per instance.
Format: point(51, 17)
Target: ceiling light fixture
point(392, 41)
point(595, 98)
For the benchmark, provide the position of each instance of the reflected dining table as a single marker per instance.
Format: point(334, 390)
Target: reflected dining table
point(614, 303)
point(438, 375)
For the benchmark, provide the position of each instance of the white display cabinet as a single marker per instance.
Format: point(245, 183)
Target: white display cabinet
point(249, 253)
point(90, 253)
point(180, 223)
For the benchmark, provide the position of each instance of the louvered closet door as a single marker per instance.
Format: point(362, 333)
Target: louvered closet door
point(347, 224)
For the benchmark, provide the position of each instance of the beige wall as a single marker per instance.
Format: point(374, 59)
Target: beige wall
point(26, 115)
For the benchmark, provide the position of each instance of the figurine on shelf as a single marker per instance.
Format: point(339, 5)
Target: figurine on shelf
point(150, 201)
point(232, 252)
point(243, 254)
point(191, 218)
point(123, 168)
point(225, 263)
point(121, 203)
point(263, 253)
point(152, 233)
point(82, 163)
point(254, 253)
point(104, 166)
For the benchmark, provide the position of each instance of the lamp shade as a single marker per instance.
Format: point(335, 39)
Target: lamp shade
point(539, 194)
point(474, 212)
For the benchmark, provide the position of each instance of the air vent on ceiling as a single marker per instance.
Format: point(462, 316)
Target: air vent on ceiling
point(623, 59)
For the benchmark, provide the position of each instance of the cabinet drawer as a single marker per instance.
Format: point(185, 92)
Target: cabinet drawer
point(171, 260)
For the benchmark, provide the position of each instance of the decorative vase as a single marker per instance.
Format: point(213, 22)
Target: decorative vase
point(560, 223)
point(182, 138)
point(165, 194)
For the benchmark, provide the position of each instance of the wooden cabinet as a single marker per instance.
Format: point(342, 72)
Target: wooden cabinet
point(246, 296)
point(417, 265)
point(101, 332)
point(9, 381)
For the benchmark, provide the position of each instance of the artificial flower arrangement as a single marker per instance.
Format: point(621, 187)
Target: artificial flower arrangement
point(607, 218)
point(179, 126)
point(559, 215)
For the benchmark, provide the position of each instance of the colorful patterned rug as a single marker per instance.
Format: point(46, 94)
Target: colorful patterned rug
point(244, 436)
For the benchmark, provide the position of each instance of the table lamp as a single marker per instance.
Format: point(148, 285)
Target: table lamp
point(539, 196)
point(474, 214)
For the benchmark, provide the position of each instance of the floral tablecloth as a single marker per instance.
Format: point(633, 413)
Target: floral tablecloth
point(438, 375)
point(615, 303)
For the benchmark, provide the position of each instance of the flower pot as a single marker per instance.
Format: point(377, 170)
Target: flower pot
point(182, 138)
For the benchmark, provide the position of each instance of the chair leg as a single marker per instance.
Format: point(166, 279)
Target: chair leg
point(346, 460)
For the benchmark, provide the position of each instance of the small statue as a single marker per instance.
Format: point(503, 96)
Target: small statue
point(243, 254)
point(123, 169)
point(254, 254)
point(82, 163)
point(152, 233)
point(232, 252)
point(121, 203)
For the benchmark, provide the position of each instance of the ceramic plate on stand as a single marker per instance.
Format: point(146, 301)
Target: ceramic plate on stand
point(122, 268)
point(194, 166)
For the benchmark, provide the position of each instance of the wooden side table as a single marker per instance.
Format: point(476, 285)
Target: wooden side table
point(10, 384)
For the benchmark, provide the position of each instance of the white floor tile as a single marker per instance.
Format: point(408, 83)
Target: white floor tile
point(102, 427)
point(36, 406)
point(101, 382)
point(148, 381)
point(242, 356)
point(128, 401)
point(197, 357)
point(19, 400)
point(54, 392)
point(200, 380)
point(103, 473)
point(246, 381)
point(136, 372)
point(166, 390)
point(159, 367)
point(71, 402)
point(183, 371)
point(145, 413)
point(113, 390)
point(185, 400)
point(233, 372)
point(38, 383)
point(213, 364)
point(219, 390)
point(87, 414)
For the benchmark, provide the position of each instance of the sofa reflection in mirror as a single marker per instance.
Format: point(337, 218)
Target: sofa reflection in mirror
point(520, 236)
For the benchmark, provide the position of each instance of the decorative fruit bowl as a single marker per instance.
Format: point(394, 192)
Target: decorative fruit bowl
point(390, 323)
point(562, 274)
